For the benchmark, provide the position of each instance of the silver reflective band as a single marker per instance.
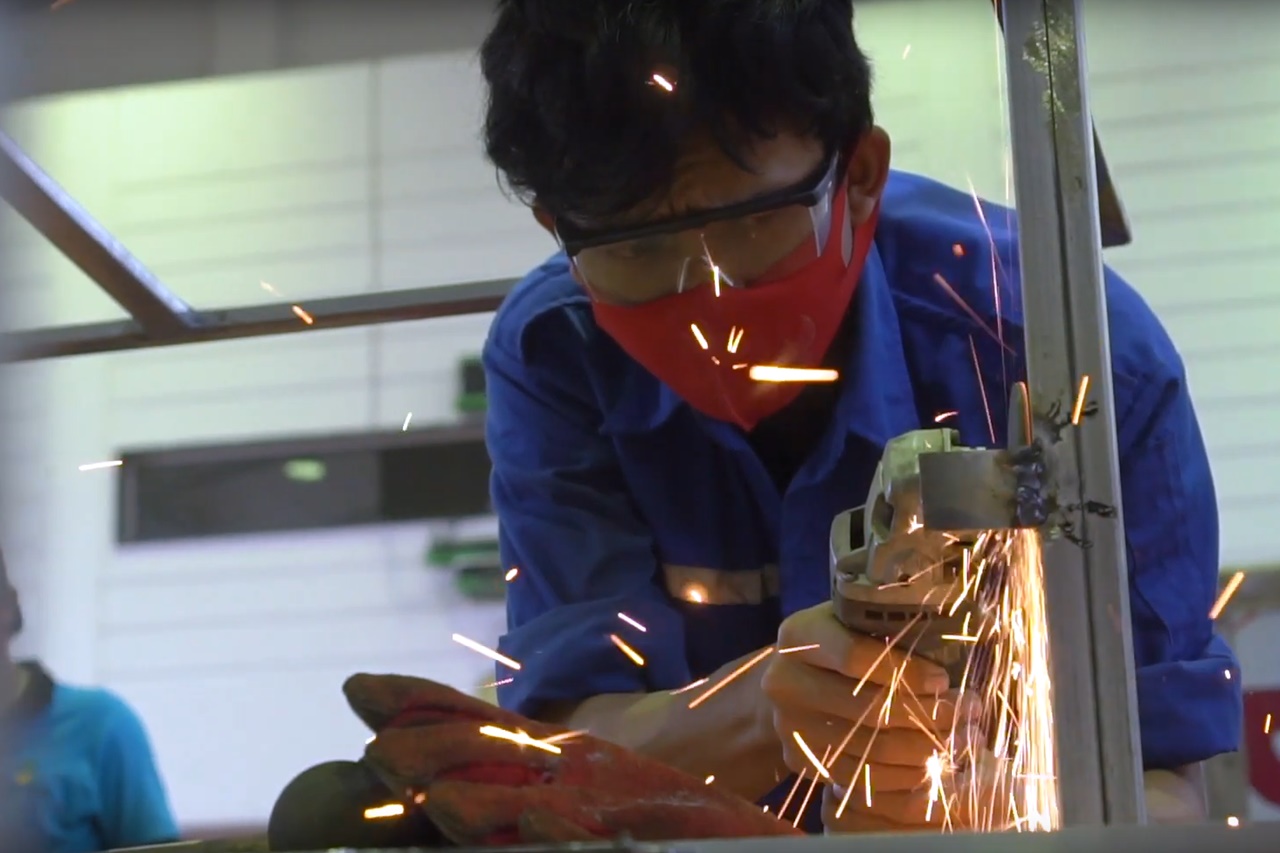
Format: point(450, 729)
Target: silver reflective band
point(720, 586)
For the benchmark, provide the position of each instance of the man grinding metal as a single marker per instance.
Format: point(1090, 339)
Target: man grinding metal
point(723, 201)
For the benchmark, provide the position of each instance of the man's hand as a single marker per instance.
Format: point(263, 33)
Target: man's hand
point(877, 715)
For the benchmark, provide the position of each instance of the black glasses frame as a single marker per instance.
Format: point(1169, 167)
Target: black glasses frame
point(807, 193)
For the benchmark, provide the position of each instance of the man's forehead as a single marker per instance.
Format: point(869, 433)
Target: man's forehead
point(707, 178)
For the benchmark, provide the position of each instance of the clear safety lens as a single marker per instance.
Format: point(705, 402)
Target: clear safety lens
point(722, 254)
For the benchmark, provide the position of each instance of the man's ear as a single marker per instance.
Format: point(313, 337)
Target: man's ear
point(868, 173)
point(545, 219)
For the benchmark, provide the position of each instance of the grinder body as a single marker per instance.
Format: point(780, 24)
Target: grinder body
point(899, 562)
point(891, 577)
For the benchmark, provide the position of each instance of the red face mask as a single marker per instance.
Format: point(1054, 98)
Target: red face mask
point(704, 345)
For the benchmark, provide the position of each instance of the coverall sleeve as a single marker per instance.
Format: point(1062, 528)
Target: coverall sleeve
point(135, 806)
point(1188, 679)
point(567, 523)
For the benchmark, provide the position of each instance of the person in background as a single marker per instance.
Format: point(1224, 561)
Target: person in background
point(77, 773)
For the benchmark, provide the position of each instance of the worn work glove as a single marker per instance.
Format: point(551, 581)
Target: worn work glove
point(480, 788)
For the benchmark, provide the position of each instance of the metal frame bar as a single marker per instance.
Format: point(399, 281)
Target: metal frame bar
point(364, 309)
point(69, 227)
point(1064, 312)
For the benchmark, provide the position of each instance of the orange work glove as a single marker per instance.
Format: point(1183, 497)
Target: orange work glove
point(485, 776)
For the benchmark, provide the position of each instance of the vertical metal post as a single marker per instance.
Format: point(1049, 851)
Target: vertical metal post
point(1064, 311)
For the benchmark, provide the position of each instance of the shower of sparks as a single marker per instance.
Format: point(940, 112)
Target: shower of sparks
point(404, 427)
point(1224, 597)
point(1082, 396)
point(383, 812)
point(520, 739)
point(633, 623)
point(626, 649)
point(98, 466)
point(512, 574)
point(728, 679)
point(486, 651)
point(996, 770)
point(770, 373)
point(1013, 783)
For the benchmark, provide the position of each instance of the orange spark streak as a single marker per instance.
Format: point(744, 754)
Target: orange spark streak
point(626, 650)
point(1082, 395)
point(1225, 596)
point(982, 388)
point(303, 315)
point(808, 753)
point(964, 306)
point(633, 623)
point(381, 812)
point(770, 373)
point(520, 739)
point(486, 651)
point(722, 683)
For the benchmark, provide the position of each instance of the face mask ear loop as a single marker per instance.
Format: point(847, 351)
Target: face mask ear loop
point(820, 221)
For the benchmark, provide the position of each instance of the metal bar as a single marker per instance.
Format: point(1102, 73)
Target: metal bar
point(70, 228)
point(256, 321)
point(1064, 312)
point(1111, 213)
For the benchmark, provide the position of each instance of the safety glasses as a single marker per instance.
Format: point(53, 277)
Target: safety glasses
point(730, 246)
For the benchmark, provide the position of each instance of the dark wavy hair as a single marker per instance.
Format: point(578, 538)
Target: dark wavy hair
point(575, 123)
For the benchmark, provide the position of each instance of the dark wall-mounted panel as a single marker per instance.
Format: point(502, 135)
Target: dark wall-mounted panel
point(303, 484)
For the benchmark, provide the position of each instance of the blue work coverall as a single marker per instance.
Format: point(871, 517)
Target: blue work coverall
point(615, 496)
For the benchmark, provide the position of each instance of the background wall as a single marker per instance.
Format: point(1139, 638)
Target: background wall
point(367, 175)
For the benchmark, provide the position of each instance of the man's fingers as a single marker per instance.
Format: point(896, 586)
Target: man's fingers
point(816, 637)
point(795, 685)
point(853, 771)
point(899, 747)
point(852, 819)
